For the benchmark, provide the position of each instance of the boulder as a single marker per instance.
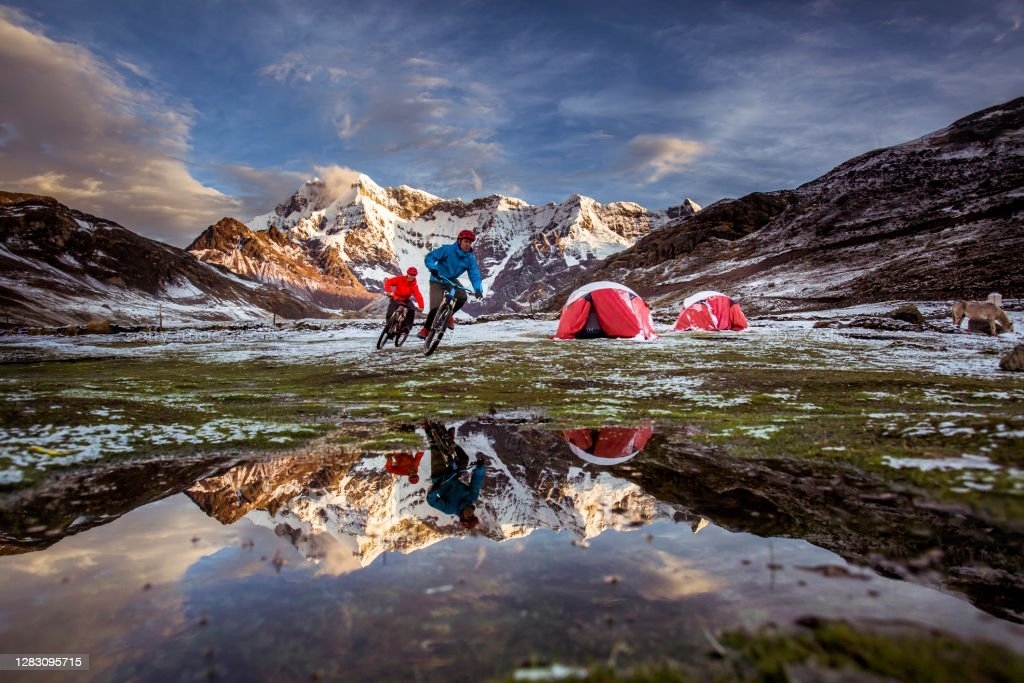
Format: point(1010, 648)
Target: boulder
point(1013, 360)
point(908, 313)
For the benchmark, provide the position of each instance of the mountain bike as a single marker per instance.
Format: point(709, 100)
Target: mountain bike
point(445, 311)
point(394, 327)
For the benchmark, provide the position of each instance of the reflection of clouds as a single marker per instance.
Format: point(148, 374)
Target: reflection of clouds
point(673, 578)
point(333, 551)
point(96, 591)
point(153, 545)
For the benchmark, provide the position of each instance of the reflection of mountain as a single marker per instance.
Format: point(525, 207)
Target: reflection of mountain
point(68, 503)
point(532, 482)
point(267, 484)
point(535, 481)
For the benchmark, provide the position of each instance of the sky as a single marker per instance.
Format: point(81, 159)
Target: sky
point(166, 116)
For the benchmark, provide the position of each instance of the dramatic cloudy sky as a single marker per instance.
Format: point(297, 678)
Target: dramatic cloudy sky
point(167, 116)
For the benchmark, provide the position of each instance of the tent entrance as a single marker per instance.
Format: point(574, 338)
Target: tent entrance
point(592, 327)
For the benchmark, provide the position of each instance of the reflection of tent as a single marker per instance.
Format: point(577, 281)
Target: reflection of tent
point(605, 309)
point(607, 445)
point(710, 311)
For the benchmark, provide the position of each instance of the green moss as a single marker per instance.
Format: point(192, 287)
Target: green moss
point(903, 656)
point(773, 655)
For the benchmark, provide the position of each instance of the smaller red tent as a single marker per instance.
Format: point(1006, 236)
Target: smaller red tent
point(605, 309)
point(710, 311)
point(608, 445)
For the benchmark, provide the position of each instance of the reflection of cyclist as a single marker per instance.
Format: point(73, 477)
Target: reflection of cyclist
point(451, 261)
point(448, 493)
point(404, 464)
point(402, 289)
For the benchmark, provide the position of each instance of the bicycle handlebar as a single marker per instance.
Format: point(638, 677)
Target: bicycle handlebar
point(454, 283)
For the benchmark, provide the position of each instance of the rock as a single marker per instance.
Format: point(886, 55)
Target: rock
point(908, 313)
point(983, 327)
point(1013, 360)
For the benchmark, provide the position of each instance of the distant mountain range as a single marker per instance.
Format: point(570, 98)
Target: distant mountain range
point(935, 218)
point(336, 251)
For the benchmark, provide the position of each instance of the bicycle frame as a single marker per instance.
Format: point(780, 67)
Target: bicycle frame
point(444, 311)
point(395, 324)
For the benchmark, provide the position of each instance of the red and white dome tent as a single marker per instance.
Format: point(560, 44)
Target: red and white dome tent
point(608, 446)
point(710, 311)
point(605, 309)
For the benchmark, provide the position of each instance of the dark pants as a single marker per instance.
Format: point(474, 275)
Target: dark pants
point(445, 455)
point(410, 314)
point(437, 295)
point(444, 462)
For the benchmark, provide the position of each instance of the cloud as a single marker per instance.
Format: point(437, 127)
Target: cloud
point(256, 191)
point(429, 114)
point(338, 181)
point(659, 156)
point(299, 67)
point(95, 143)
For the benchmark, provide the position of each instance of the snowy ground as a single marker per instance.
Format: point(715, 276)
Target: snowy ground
point(956, 353)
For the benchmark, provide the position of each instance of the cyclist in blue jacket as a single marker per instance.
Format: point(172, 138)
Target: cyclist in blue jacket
point(448, 492)
point(451, 261)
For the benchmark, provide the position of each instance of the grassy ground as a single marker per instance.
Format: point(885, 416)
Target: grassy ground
point(753, 396)
point(822, 651)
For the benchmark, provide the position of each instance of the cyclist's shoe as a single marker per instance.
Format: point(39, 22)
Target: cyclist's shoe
point(422, 334)
point(451, 322)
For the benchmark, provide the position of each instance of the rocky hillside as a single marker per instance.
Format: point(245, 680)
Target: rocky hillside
point(936, 218)
point(59, 266)
point(314, 273)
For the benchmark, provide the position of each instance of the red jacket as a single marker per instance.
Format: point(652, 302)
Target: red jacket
point(403, 463)
point(403, 289)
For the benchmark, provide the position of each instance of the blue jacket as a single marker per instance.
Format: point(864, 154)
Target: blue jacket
point(448, 494)
point(451, 262)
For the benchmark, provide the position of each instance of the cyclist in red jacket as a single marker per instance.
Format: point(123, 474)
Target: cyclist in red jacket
point(401, 289)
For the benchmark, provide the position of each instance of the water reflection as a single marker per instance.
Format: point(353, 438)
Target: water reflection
point(606, 445)
point(402, 464)
point(450, 491)
point(288, 568)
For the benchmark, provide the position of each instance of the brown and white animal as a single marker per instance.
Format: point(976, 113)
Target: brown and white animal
point(982, 311)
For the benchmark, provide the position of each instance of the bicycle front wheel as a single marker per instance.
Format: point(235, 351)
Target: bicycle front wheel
point(389, 331)
point(437, 330)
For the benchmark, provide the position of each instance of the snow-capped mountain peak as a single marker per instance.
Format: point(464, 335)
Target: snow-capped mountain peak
point(371, 233)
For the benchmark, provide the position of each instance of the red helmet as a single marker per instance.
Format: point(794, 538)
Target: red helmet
point(412, 271)
point(465, 235)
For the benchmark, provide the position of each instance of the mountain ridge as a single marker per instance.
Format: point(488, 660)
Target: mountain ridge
point(60, 266)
